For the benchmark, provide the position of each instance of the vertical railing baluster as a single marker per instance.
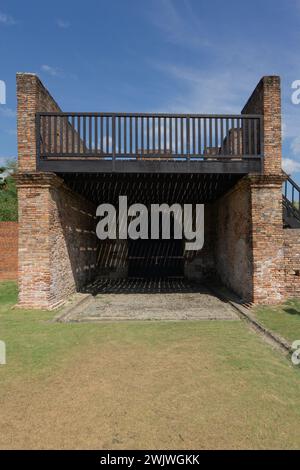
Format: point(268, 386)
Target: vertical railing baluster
point(170, 136)
point(67, 133)
point(238, 130)
point(244, 151)
point(102, 134)
point(136, 135)
point(165, 136)
point(176, 135)
point(96, 133)
point(84, 134)
point(78, 135)
point(250, 136)
point(119, 136)
point(255, 136)
point(148, 135)
point(90, 135)
point(107, 135)
point(142, 135)
point(153, 134)
point(222, 135)
point(216, 137)
point(159, 134)
point(227, 150)
point(188, 137)
point(50, 134)
point(55, 133)
point(73, 133)
point(125, 135)
point(181, 136)
point(210, 134)
point(130, 135)
point(194, 136)
point(199, 137)
point(61, 142)
point(113, 136)
point(205, 136)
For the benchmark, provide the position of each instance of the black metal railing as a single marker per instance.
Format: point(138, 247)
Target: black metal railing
point(291, 201)
point(148, 136)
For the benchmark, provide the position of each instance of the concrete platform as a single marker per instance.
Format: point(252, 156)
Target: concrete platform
point(138, 299)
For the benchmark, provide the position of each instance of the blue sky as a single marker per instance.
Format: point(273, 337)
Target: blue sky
point(152, 55)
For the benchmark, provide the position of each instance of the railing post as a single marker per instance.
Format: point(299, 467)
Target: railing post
point(38, 138)
point(113, 131)
point(188, 150)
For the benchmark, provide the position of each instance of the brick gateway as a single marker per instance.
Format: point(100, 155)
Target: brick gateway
point(71, 162)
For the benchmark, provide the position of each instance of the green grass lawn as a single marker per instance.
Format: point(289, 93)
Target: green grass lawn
point(283, 319)
point(205, 384)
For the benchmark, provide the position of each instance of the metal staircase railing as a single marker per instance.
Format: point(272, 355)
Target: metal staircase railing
point(291, 203)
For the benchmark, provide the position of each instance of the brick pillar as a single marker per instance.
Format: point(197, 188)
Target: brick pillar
point(267, 239)
point(34, 239)
point(266, 100)
point(32, 97)
point(58, 246)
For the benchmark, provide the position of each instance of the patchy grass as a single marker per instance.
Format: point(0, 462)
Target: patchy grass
point(206, 384)
point(283, 319)
point(9, 202)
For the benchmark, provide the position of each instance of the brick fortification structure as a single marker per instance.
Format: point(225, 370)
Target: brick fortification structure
point(246, 246)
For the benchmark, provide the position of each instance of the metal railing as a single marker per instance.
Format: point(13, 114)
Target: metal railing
point(148, 136)
point(291, 199)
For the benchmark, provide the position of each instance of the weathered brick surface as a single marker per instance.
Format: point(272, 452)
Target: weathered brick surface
point(232, 240)
point(58, 248)
point(8, 251)
point(291, 245)
point(266, 100)
point(267, 239)
point(32, 97)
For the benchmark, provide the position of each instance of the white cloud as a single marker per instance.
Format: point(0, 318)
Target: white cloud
point(201, 91)
point(64, 24)
point(295, 145)
point(290, 166)
point(54, 72)
point(7, 19)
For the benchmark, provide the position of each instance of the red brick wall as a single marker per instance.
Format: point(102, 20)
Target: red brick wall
point(58, 247)
point(232, 240)
point(291, 240)
point(8, 251)
point(266, 100)
point(32, 97)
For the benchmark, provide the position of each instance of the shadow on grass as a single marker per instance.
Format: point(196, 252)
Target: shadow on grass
point(291, 311)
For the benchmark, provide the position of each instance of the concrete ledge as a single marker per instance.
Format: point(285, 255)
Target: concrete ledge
point(244, 310)
point(77, 302)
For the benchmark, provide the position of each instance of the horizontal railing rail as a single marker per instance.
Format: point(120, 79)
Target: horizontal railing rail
point(148, 136)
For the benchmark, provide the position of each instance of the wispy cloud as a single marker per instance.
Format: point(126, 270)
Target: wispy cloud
point(7, 20)
point(290, 166)
point(53, 71)
point(184, 30)
point(64, 24)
